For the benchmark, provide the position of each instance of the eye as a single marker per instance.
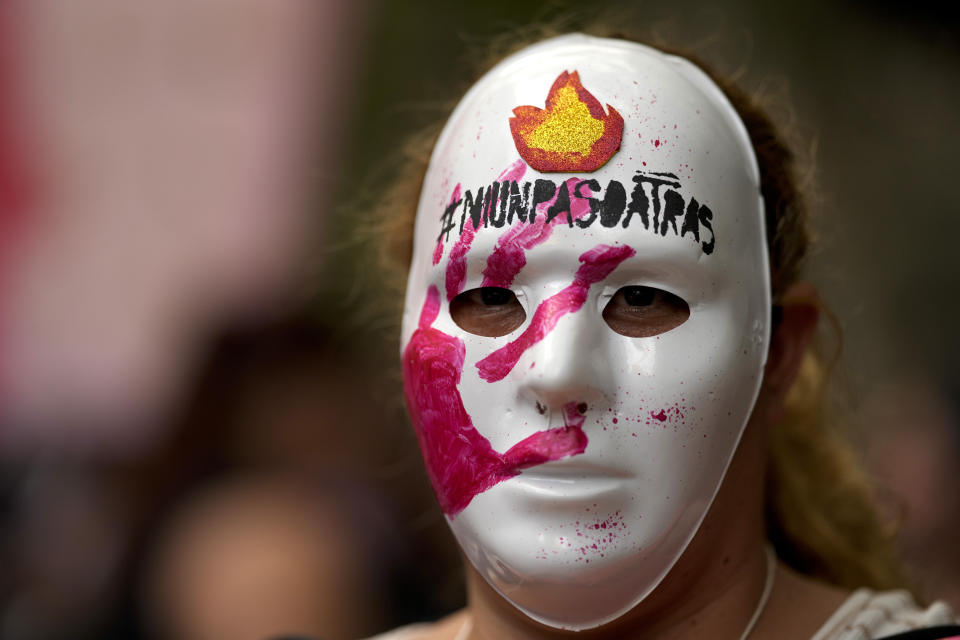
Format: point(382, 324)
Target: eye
point(487, 311)
point(641, 312)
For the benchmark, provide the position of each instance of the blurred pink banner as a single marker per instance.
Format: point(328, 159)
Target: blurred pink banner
point(171, 142)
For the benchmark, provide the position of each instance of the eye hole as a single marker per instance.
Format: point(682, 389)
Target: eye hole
point(487, 311)
point(641, 312)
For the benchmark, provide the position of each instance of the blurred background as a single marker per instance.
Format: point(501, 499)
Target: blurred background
point(201, 426)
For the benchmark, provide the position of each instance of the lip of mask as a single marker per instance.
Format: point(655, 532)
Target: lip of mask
point(574, 463)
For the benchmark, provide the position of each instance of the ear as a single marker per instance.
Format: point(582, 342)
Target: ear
point(799, 312)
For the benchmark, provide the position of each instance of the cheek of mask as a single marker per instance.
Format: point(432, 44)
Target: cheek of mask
point(586, 320)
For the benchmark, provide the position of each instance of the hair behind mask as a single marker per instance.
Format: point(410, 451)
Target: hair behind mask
point(820, 512)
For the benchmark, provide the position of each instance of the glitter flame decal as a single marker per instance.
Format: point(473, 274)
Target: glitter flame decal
point(572, 134)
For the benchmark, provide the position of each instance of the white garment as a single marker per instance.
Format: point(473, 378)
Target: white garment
point(865, 615)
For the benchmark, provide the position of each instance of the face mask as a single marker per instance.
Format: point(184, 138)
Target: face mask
point(586, 320)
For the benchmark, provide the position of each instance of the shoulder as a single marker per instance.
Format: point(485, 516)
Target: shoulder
point(446, 629)
point(868, 614)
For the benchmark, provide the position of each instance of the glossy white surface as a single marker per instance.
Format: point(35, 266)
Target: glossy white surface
point(577, 542)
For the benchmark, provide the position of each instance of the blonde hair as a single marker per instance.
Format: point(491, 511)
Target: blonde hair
point(820, 512)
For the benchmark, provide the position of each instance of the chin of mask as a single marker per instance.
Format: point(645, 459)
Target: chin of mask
point(586, 320)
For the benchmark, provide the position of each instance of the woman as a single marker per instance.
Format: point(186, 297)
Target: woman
point(605, 352)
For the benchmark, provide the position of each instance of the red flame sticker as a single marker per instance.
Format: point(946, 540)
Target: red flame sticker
point(571, 134)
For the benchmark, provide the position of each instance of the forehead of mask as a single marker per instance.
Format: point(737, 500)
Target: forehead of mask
point(676, 121)
point(680, 134)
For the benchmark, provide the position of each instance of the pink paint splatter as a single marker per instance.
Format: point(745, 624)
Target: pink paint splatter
point(675, 415)
point(457, 265)
point(598, 263)
point(595, 537)
point(509, 256)
point(438, 250)
point(461, 463)
point(598, 536)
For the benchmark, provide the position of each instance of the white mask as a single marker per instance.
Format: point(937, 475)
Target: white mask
point(573, 463)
